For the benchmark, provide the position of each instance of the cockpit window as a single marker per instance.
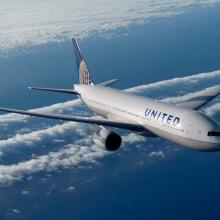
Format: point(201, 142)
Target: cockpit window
point(214, 133)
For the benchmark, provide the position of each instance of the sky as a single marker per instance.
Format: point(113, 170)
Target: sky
point(50, 170)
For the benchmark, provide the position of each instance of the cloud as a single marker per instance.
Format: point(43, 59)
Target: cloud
point(24, 192)
point(40, 135)
point(69, 156)
point(132, 138)
point(16, 211)
point(156, 154)
point(30, 22)
point(71, 188)
point(188, 79)
point(56, 108)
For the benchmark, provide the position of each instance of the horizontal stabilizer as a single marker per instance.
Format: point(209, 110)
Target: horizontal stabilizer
point(70, 91)
point(108, 83)
point(88, 120)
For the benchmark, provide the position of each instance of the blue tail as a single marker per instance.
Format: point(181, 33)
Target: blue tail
point(84, 75)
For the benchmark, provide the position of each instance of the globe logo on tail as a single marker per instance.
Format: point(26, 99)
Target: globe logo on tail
point(84, 76)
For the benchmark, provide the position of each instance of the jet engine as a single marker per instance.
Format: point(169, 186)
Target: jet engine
point(107, 139)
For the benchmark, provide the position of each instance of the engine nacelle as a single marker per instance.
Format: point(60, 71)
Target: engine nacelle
point(107, 139)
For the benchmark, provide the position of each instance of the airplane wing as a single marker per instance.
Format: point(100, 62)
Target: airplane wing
point(201, 99)
point(97, 121)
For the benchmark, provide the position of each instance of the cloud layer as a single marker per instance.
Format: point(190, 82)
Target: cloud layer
point(82, 150)
point(30, 22)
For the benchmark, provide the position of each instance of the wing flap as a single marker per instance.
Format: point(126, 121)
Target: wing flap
point(97, 121)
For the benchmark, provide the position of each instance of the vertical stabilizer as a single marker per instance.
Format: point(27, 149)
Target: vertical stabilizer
point(84, 75)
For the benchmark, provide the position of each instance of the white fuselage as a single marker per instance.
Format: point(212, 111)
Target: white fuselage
point(183, 126)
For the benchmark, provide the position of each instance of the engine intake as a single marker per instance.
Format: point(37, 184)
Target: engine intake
point(107, 139)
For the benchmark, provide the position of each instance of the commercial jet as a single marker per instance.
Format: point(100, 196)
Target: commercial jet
point(180, 122)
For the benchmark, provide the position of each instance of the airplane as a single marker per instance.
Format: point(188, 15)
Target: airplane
point(179, 122)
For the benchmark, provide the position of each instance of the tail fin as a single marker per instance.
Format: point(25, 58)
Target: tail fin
point(84, 75)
